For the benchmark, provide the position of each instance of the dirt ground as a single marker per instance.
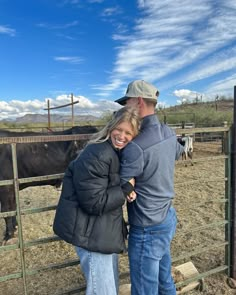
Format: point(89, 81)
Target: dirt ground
point(199, 201)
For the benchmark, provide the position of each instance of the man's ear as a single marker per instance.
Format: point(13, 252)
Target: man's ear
point(140, 101)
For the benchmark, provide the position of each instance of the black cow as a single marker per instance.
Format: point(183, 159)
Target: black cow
point(35, 159)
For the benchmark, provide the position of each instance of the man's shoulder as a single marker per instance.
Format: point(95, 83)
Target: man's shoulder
point(154, 134)
point(133, 146)
point(167, 130)
point(131, 152)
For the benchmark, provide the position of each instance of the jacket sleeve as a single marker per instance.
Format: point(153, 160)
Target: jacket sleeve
point(92, 182)
point(68, 190)
point(132, 162)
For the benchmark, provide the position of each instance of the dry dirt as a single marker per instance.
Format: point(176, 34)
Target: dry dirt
point(199, 200)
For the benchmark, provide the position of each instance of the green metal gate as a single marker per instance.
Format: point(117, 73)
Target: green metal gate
point(22, 245)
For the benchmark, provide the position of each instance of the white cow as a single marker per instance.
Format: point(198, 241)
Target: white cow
point(187, 143)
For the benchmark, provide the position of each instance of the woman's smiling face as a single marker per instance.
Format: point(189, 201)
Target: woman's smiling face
point(122, 135)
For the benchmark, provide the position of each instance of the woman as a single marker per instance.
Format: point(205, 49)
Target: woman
point(89, 214)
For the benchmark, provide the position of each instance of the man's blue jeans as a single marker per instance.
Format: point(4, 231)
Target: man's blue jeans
point(100, 271)
point(150, 258)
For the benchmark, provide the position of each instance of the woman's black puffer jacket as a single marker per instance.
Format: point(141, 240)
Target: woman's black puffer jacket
point(89, 213)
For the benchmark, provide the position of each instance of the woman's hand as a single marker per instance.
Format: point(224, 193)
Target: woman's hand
point(131, 197)
point(132, 181)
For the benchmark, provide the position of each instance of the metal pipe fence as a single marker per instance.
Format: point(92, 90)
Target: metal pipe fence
point(22, 245)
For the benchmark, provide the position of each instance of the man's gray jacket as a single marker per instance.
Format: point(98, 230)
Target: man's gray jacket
point(150, 159)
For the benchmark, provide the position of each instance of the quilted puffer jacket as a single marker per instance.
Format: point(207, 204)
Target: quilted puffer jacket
point(89, 212)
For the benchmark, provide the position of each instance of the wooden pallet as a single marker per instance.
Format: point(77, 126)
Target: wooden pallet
point(184, 271)
point(188, 270)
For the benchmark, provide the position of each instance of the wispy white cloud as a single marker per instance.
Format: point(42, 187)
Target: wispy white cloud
point(8, 31)
point(108, 87)
point(225, 86)
point(57, 26)
point(141, 3)
point(111, 11)
point(175, 35)
point(216, 64)
point(69, 59)
point(66, 36)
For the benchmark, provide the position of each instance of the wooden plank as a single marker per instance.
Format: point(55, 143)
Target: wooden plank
point(180, 273)
point(186, 271)
point(125, 289)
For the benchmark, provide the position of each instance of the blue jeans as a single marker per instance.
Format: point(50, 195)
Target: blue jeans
point(100, 271)
point(150, 258)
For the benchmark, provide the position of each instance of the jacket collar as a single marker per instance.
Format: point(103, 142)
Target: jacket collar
point(114, 148)
point(149, 120)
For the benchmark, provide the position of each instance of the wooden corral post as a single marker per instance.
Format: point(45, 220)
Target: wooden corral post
point(233, 186)
point(65, 105)
point(183, 126)
point(224, 138)
point(49, 119)
point(165, 119)
point(72, 110)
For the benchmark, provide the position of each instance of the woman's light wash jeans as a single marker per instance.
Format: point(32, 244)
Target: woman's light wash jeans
point(100, 271)
point(150, 259)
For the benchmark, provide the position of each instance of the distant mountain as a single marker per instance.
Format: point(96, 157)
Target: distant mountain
point(37, 118)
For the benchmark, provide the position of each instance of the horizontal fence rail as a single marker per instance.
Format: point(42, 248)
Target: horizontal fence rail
point(43, 138)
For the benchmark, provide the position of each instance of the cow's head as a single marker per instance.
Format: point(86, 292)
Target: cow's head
point(76, 146)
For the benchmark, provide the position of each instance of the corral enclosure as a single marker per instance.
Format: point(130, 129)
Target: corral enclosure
point(200, 204)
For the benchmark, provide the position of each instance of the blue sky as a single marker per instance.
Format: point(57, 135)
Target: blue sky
point(94, 48)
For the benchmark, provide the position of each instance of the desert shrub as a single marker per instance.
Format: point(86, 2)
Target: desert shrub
point(202, 114)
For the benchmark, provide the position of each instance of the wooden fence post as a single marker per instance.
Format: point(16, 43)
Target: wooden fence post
point(223, 147)
point(233, 186)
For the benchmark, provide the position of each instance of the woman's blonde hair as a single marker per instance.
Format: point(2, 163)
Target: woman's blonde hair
point(125, 114)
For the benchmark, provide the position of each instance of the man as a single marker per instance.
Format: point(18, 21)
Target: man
point(150, 160)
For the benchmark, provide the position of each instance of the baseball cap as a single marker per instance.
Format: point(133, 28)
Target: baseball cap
point(140, 88)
